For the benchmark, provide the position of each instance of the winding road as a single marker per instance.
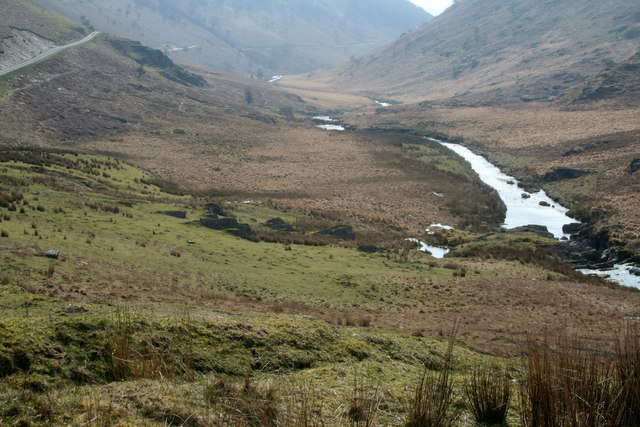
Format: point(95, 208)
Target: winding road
point(49, 53)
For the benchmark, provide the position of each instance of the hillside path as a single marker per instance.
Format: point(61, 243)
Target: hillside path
point(49, 53)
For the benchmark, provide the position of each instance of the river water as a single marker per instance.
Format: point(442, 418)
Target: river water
point(522, 208)
point(528, 210)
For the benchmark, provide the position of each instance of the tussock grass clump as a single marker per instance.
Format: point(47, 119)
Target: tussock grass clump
point(247, 405)
point(567, 385)
point(433, 397)
point(363, 405)
point(130, 356)
point(488, 393)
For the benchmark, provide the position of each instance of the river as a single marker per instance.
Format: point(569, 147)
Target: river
point(532, 208)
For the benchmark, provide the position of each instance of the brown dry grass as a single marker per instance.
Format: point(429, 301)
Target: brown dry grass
point(362, 178)
point(493, 315)
point(531, 139)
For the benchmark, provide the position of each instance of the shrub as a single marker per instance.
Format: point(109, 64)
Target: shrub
point(4, 233)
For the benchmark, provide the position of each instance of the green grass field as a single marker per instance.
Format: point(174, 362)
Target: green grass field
point(149, 319)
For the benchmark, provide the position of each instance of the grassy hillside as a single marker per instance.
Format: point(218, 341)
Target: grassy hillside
point(144, 317)
point(252, 37)
point(494, 51)
point(140, 283)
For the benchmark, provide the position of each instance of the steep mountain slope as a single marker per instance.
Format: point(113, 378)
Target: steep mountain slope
point(252, 36)
point(492, 50)
point(619, 83)
point(26, 16)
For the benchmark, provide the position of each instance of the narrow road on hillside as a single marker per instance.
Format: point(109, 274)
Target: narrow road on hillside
point(49, 53)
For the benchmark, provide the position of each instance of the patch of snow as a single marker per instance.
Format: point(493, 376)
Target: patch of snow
point(275, 79)
point(435, 251)
point(331, 127)
point(383, 104)
point(437, 194)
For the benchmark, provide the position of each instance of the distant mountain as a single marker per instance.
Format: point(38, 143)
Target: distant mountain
point(261, 37)
point(492, 50)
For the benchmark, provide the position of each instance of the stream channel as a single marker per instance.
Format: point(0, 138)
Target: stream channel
point(525, 208)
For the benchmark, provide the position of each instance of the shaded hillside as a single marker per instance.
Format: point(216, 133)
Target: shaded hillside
point(619, 83)
point(491, 50)
point(253, 36)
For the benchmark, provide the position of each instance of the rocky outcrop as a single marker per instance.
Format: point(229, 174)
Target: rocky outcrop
point(175, 214)
point(592, 248)
point(634, 166)
point(342, 231)
point(230, 225)
point(214, 209)
point(219, 223)
point(539, 230)
point(21, 46)
point(53, 254)
point(560, 174)
point(279, 224)
point(573, 228)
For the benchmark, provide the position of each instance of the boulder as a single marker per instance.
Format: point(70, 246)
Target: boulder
point(634, 166)
point(279, 224)
point(230, 225)
point(175, 214)
point(635, 271)
point(559, 174)
point(526, 195)
point(343, 231)
point(573, 228)
point(219, 223)
point(214, 210)
point(545, 204)
point(243, 231)
point(539, 230)
point(53, 254)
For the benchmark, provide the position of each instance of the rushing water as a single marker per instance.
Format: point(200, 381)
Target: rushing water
point(620, 273)
point(522, 208)
point(530, 210)
point(327, 119)
point(331, 127)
